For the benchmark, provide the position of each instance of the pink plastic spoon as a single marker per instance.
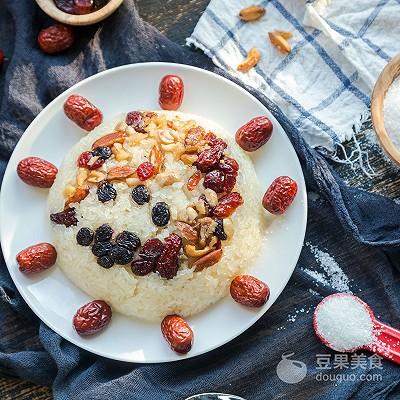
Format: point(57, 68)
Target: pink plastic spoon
point(385, 340)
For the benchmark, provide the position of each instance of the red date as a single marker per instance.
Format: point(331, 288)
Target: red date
point(254, 134)
point(280, 195)
point(92, 317)
point(81, 111)
point(227, 205)
point(171, 92)
point(55, 38)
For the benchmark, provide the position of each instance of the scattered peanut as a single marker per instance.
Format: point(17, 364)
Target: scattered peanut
point(166, 137)
point(228, 228)
point(166, 178)
point(191, 213)
point(279, 42)
point(252, 13)
point(285, 34)
point(252, 59)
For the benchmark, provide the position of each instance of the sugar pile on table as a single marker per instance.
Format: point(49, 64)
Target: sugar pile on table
point(391, 112)
point(330, 274)
point(344, 322)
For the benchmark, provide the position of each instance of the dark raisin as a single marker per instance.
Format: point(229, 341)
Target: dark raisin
point(140, 195)
point(105, 261)
point(151, 250)
point(101, 248)
point(66, 217)
point(121, 255)
point(106, 192)
point(103, 152)
point(66, 6)
point(143, 267)
point(160, 214)
point(128, 240)
point(219, 230)
point(84, 237)
point(103, 233)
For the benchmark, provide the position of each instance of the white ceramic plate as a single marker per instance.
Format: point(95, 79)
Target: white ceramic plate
point(24, 220)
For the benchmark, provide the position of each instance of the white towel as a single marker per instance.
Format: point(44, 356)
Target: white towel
point(324, 85)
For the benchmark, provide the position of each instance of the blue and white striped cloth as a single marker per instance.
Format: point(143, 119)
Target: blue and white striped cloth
point(339, 48)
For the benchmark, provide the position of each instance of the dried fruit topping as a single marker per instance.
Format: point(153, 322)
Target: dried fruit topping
point(79, 194)
point(151, 250)
point(227, 205)
point(171, 92)
point(139, 120)
point(83, 6)
point(145, 171)
point(105, 261)
point(209, 159)
point(85, 236)
point(213, 140)
point(143, 267)
point(37, 172)
point(167, 264)
point(106, 192)
point(66, 217)
point(121, 255)
point(55, 38)
point(219, 231)
point(280, 195)
point(252, 13)
point(208, 260)
point(140, 195)
point(215, 180)
point(100, 249)
point(128, 240)
point(156, 157)
point(252, 59)
point(229, 165)
point(230, 182)
point(279, 42)
point(103, 233)
point(177, 333)
point(81, 111)
point(188, 232)
point(254, 134)
point(87, 160)
point(160, 214)
point(109, 139)
point(249, 291)
point(120, 172)
point(103, 152)
point(36, 258)
point(193, 181)
point(92, 317)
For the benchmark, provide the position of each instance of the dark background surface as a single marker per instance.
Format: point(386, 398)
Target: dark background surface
point(177, 19)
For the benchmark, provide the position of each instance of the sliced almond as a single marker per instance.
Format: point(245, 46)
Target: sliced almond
point(191, 251)
point(79, 194)
point(109, 140)
point(285, 34)
point(81, 176)
point(96, 177)
point(279, 42)
point(252, 13)
point(188, 232)
point(252, 59)
point(156, 157)
point(207, 260)
point(120, 172)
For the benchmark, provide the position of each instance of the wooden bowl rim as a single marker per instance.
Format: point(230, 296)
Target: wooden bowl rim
point(383, 83)
point(49, 7)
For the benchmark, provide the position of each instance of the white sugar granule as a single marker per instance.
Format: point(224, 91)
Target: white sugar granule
point(344, 322)
point(391, 112)
point(330, 273)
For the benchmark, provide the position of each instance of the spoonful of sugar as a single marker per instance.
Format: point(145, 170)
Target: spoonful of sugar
point(345, 323)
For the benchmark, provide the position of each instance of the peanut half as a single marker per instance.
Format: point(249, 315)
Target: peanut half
point(252, 59)
point(252, 13)
point(279, 42)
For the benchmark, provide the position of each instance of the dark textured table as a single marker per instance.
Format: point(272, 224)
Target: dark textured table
point(177, 19)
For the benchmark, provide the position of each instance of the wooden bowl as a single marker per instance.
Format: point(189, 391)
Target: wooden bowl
point(49, 7)
point(385, 79)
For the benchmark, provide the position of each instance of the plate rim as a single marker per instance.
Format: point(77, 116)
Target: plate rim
point(251, 321)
